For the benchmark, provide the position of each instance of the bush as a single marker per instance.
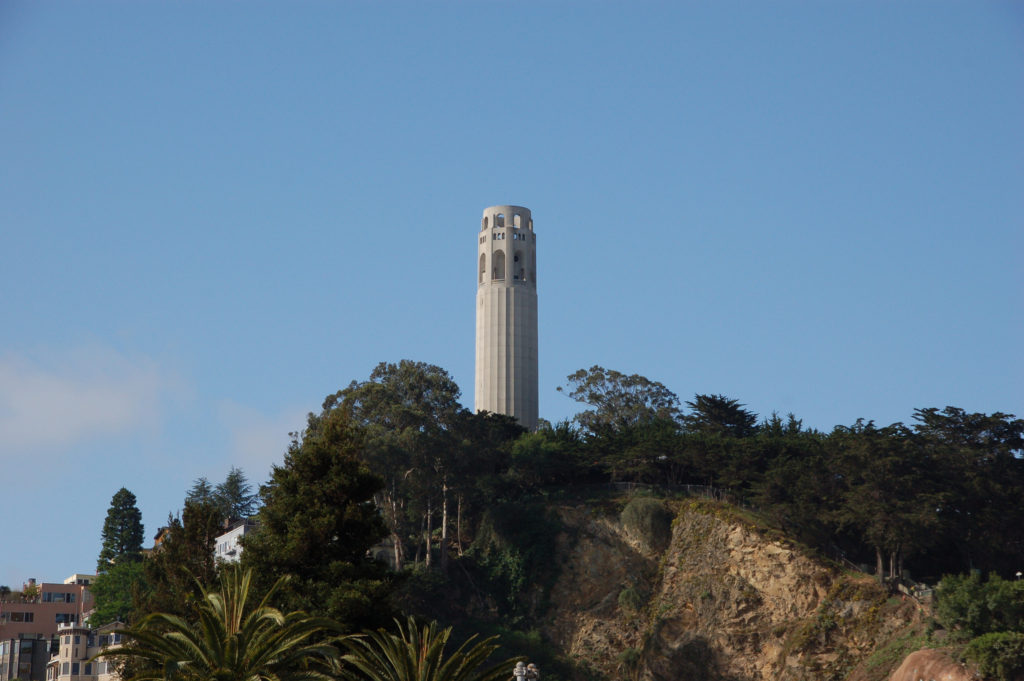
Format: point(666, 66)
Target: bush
point(999, 656)
point(974, 607)
point(649, 521)
point(514, 548)
point(630, 599)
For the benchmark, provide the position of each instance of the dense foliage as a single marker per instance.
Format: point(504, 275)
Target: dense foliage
point(990, 614)
point(316, 525)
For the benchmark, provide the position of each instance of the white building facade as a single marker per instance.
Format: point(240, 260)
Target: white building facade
point(228, 548)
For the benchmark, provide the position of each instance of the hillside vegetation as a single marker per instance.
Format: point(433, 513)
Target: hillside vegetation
point(396, 499)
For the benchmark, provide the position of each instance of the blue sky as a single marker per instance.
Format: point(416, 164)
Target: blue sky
point(213, 214)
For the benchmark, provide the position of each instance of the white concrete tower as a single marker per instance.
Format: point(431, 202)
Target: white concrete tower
point(506, 315)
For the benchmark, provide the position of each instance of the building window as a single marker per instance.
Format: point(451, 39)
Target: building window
point(64, 668)
point(88, 668)
point(74, 669)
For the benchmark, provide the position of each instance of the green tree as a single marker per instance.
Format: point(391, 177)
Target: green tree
point(977, 459)
point(114, 593)
point(972, 607)
point(232, 638)
point(122, 531)
point(618, 400)
point(418, 654)
point(317, 524)
point(887, 496)
point(719, 414)
point(409, 412)
point(181, 563)
point(235, 497)
point(200, 492)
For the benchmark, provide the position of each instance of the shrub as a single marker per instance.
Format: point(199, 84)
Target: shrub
point(630, 599)
point(999, 656)
point(649, 521)
point(974, 607)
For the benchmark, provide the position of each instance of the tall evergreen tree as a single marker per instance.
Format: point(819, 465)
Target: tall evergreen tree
point(317, 524)
point(201, 492)
point(235, 497)
point(182, 565)
point(719, 414)
point(122, 531)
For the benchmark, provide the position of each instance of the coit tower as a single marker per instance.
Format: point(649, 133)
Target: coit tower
point(506, 315)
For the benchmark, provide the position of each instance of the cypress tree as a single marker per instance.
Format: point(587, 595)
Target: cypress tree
point(122, 531)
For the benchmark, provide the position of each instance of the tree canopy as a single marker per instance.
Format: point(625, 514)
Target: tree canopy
point(234, 498)
point(122, 531)
point(317, 524)
point(618, 400)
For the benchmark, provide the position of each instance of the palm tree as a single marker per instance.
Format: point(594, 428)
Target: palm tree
point(230, 642)
point(416, 654)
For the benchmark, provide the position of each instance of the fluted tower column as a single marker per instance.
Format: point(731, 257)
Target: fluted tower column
point(506, 315)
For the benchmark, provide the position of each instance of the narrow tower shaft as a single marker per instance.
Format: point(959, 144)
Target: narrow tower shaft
point(506, 315)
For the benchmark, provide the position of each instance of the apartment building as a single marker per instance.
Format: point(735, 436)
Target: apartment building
point(76, 646)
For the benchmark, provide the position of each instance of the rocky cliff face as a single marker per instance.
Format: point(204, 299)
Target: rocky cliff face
point(715, 597)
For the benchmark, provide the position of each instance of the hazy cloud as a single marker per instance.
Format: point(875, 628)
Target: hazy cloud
point(259, 440)
point(67, 398)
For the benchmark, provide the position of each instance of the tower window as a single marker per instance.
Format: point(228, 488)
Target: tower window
point(483, 266)
point(498, 272)
point(499, 220)
point(517, 220)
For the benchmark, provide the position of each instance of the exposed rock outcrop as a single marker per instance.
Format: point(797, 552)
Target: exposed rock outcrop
point(724, 600)
point(932, 665)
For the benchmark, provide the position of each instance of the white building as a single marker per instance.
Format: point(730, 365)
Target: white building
point(228, 548)
point(77, 645)
point(506, 315)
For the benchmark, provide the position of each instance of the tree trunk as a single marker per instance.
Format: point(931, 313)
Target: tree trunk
point(430, 530)
point(458, 525)
point(879, 565)
point(444, 526)
point(396, 542)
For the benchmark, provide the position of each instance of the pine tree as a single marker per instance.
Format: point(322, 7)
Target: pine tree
point(234, 496)
point(317, 524)
point(201, 492)
point(122, 531)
